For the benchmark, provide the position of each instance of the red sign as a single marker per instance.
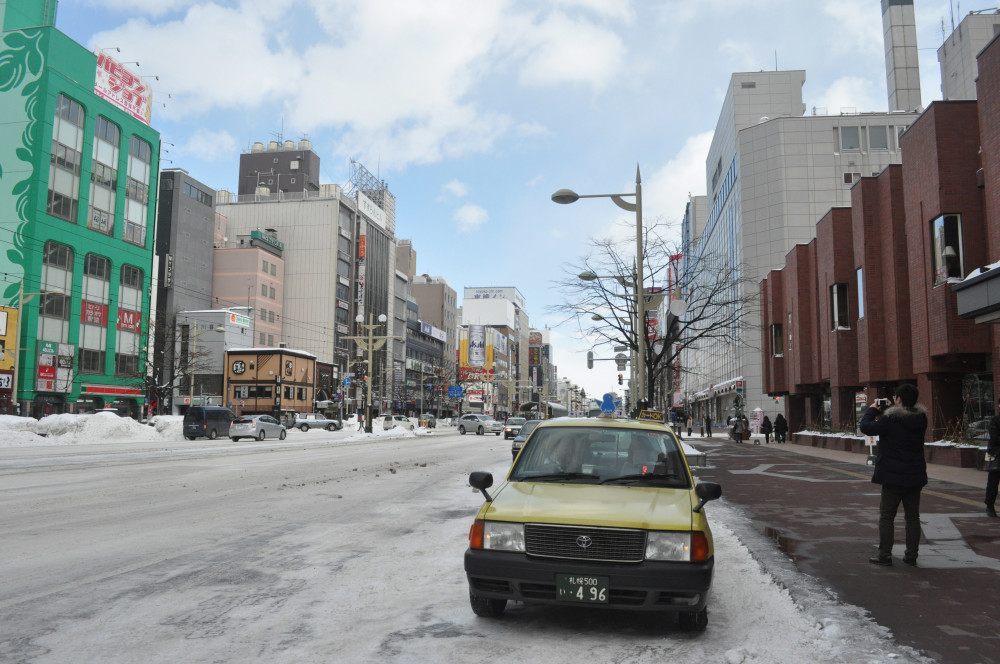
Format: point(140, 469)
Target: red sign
point(361, 247)
point(47, 373)
point(129, 320)
point(111, 389)
point(475, 373)
point(93, 313)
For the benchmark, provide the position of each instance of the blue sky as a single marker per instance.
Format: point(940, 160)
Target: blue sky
point(475, 111)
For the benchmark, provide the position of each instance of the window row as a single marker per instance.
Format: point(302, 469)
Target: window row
point(269, 268)
point(65, 168)
point(871, 137)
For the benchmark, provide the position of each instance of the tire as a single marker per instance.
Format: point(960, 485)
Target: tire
point(213, 434)
point(281, 435)
point(498, 433)
point(235, 439)
point(261, 435)
point(486, 607)
point(190, 437)
point(331, 427)
point(461, 430)
point(693, 622)
point(304, 428)
point(480, 431)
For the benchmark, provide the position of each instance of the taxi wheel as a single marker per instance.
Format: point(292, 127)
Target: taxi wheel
point(281, 435)
point(693, 622)
point(486, 607)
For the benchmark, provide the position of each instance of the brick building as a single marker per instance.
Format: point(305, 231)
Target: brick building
point(872, 301)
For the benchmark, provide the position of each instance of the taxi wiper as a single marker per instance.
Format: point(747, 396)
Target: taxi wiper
point(638, 477)
point(555, 476)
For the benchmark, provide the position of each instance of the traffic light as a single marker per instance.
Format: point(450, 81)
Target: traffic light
point(590, 359)
point(619, 379)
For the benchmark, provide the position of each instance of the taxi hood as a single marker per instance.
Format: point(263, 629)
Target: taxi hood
point(651, 508)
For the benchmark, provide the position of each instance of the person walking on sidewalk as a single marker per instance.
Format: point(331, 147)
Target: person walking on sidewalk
point(899, 467)
point(993, 476)
point(766, 428)
point(780, 428)
point(708, 426)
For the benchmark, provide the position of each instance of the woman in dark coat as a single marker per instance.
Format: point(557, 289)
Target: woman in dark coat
point(780, 428)
point(766, 428)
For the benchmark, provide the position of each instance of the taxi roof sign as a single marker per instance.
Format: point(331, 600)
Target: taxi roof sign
point(651, 415)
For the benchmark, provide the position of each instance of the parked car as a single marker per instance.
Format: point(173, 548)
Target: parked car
point(431, 420)
point(307, 421)
point(511, 426)
point(478, 424)
point(599, 514)
point(207, 421)
point(522, 435)
point(256, 426)
point(393, 421)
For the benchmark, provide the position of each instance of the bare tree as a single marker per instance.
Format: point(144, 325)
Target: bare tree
point(173, 362)
point(719, 298)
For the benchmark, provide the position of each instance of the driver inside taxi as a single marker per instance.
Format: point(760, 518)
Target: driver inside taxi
point(565, 456)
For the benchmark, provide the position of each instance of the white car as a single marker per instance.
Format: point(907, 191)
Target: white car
point(393, 421)
point(256, 426)
point(479, 424)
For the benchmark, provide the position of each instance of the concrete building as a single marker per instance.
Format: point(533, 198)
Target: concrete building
point(772, 172)
point(78, 196)
point(957, 55)
point(504, 309)
point(283, 167)
point(249, 276)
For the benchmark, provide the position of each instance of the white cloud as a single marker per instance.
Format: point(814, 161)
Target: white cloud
point(148, 7)
point(856, 28)
point(209, 145)
point(665, 192)
point(851, 92)
point(470, 218)
point(456, 188)
point(565, 50)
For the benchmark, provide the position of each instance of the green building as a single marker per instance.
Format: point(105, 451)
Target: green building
point(78, 165)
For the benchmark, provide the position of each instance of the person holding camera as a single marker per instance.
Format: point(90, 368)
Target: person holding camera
point(993, 473)
point(900, 467)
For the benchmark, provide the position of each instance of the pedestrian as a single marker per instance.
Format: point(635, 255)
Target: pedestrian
point(766, 428)
point(737, 429)
point(780, 428)
point(361, 422)
point(690, 424)
point(899, 467)
point(993, 474)
point(708, 426)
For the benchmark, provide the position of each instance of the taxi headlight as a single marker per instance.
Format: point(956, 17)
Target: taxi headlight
point(498, 536)
point(668, 546)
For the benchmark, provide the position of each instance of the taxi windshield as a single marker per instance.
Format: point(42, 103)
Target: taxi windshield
point(602, 455)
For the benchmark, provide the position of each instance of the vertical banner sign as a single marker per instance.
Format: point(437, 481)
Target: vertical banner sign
point(477, 346)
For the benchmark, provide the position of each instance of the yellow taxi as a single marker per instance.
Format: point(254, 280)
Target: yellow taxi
point(595, 512)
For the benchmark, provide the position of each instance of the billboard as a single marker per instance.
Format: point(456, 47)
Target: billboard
point(8, 337)
point(116, 84)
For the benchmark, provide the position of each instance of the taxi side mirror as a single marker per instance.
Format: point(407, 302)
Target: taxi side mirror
point(481, 481)
point(706, 491)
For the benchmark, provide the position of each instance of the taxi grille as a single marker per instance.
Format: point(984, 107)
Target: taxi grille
point(618, 545)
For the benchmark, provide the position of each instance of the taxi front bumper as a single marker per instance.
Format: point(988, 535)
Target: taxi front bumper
point(646, 586)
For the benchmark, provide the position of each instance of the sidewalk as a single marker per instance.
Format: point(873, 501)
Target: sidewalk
point(965, 476)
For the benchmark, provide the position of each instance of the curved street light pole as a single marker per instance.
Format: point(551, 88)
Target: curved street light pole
point(566, 196)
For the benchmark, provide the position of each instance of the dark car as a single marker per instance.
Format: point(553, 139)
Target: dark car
point(207, 421)
point(522, 435)
point(511, 426)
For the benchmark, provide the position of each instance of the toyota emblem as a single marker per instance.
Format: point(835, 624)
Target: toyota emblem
point(584, 541)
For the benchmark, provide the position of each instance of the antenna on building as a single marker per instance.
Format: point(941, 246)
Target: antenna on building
point(951, 8)
point(775, 59)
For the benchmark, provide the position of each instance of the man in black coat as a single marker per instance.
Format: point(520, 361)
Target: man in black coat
point(993, 476)
point(900, 467)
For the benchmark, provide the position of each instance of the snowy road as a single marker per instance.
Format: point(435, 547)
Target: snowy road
point(336, 548)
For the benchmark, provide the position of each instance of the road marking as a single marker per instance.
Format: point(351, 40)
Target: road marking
point(764, 469)
point(945, 548)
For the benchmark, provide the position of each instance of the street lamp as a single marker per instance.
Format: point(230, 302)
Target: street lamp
point(565, 197)
point(370, 343)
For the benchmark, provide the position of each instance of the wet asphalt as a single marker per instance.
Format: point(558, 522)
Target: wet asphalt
point(820, 508)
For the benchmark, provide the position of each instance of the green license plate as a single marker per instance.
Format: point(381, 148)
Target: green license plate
point(577, 588)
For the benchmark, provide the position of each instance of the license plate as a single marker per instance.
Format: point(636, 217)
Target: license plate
point(577, 588)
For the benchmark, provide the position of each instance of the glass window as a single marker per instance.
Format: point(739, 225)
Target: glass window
point(56, 289)
point(838, 307)
point(946, 235)
point(263, 290)
point(137, 191)
point(263, 338)
point(850, 138)
point(104, 177)
point(271, 292)
point(274, 270)
point(777, 341)
point(270, 316)
point(64, 166)
point(861, 293)
point(129, 322)
point(263, 266)
point(878, 139)
point(94, 313)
